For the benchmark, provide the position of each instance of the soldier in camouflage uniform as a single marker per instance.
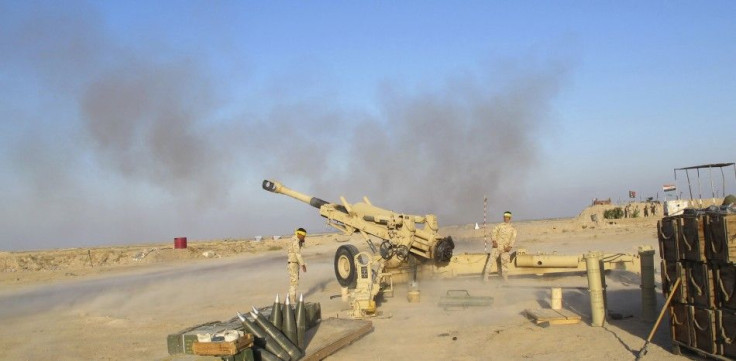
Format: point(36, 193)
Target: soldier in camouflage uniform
point(503, 237)
point(295, 261)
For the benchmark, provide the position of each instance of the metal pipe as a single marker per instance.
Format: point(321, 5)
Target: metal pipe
point(604, 286)
point(528, 260)
point(485, 235)
point(700, 190)
point(595, 288)
point(712, 189)
point(648, 294)
point(723, 183)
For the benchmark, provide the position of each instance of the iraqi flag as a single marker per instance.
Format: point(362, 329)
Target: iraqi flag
point(669, 188)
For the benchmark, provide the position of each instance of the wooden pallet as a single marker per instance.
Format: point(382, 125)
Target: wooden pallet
point(332, 334)
point(552, 317)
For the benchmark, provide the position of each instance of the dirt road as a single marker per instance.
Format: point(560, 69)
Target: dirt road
point(126, 314)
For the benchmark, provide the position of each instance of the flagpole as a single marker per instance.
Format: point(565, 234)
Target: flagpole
point(485, 235)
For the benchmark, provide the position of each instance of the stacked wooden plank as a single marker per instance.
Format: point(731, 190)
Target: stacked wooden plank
point(552, 317)
point(699, 248)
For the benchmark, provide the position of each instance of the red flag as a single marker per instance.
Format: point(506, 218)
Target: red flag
point(632, 194)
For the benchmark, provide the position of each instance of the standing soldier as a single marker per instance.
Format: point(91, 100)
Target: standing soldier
point(503, 237)
point(295, 260)
point(646, 210)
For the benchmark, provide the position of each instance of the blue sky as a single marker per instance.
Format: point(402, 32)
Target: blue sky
point(132, 122)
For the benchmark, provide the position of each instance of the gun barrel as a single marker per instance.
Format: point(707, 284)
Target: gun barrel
point(276, 187)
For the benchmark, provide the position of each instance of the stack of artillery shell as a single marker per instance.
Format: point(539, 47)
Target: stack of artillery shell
point(272, 343)
point(276, 335)
point(264, 344)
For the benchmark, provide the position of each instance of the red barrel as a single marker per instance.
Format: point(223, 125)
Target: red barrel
point(180, 242)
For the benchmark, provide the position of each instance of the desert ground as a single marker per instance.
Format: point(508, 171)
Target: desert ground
point(120, 303)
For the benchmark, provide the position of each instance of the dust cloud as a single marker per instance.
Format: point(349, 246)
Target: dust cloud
point(437, 151)
point(146, 123)
point(126, 133)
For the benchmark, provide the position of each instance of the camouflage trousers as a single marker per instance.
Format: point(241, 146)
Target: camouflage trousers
point(505, 260)
point(293, 269)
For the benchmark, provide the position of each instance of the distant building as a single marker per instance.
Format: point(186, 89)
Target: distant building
point(601, 202)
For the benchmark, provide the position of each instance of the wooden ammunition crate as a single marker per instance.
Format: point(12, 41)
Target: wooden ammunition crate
point(680, 324)
point(704, 329)
point(671, 271)
point(726, 332)
point(691, 238)
point(182, 341)
point(667, 236)
point(700, 284)
point(720, 238)
point(223, 348)
point(725, 286)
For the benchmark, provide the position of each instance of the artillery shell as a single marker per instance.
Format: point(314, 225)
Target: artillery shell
point(301, 323)
point(276, 313)
point(263, 339)
point(289, 325)
point(263, 354)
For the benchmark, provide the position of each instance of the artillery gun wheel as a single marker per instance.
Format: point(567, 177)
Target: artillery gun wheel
point(402, 253)
point(386, 250)
point(443, 250)
point(345, 270)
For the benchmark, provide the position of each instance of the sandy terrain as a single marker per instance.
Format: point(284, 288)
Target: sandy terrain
point(119, 303)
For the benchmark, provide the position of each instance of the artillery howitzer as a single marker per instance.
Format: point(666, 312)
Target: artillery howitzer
point(399, 234)
point(403, 242)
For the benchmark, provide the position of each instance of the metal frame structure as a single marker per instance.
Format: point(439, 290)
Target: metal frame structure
point(710, 167)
